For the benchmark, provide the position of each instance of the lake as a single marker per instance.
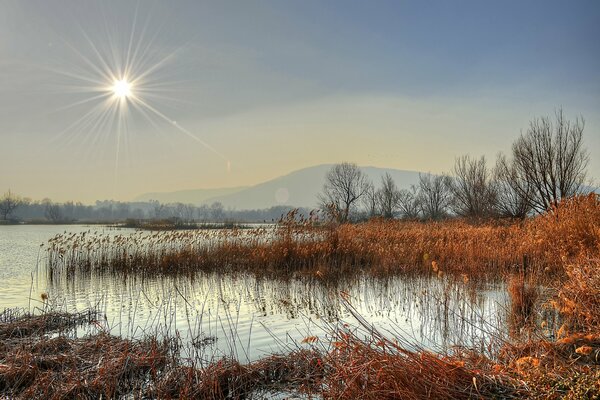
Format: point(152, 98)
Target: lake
point(246, 317)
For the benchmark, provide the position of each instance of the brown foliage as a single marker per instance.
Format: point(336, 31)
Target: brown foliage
point(383, 369)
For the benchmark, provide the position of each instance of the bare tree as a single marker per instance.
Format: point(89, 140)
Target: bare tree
point(52, 211)
point(473, 188)
point(217, 211)
point(370, 200)
point(408, 202)
point(388, 196)
point(8, 204)
point(345, 184)
point(434, 195)
point(158, 209)
point(513, 196)
point(184, 212)
point(550, 160)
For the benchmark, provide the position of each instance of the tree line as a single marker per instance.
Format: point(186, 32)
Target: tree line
point(546, 163)
point(14, 208)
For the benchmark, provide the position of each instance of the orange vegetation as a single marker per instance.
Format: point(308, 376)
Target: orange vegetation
point(543, 245)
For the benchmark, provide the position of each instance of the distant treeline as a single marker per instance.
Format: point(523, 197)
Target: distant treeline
point(16, 209)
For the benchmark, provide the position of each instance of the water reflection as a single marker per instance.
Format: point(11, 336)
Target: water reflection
point(247, 317)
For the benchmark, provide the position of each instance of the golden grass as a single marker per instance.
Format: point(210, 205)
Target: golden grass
point(542, 246)
point(560, 248)
point(382, 369)
point(523, 297)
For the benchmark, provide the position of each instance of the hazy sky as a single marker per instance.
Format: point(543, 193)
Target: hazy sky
point(234, 93)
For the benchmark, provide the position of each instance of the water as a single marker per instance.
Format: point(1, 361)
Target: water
point(246, 317)
point(22, 258)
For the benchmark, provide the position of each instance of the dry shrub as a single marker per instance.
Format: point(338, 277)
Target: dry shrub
point(568, 368)
point(562, 355)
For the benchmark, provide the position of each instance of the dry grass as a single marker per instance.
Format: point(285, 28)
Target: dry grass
point(383, 369)
point(560, 248)
point(578, 297)
point(15, 323)
point(104, 366)
point(568, 233)
point(523, 298)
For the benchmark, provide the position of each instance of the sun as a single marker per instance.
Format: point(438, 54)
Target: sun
point(121, 89)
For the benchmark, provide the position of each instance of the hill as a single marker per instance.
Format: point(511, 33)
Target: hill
point(194, 196)
point(299, 189)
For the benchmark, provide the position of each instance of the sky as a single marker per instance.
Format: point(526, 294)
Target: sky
point(226, 94)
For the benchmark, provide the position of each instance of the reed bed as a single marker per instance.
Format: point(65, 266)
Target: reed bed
point(34, 365)
point(15, 323)
point(540, 246)
point(344, 365)
point(104, 366)
point(560, 248)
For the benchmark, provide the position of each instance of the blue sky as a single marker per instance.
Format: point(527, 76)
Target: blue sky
point(258, 89)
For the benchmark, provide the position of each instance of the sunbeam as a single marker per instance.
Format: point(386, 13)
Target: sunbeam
point(119, 77)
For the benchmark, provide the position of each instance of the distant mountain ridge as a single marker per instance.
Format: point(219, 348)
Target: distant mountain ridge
point(298, 188)
point(192, 196)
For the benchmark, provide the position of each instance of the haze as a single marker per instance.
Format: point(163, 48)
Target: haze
point(243, 92)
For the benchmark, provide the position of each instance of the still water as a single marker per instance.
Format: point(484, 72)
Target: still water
point(247, 317)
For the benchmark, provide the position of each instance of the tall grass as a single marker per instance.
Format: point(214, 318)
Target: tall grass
point(567, 233)
point(560, 248)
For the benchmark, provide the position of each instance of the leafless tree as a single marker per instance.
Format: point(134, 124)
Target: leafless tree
point(408, 203)
point(184, 212)
point(550, 160)
point(370, 200)
point(513, 196)
point(52, 211)
point(8, 204)
point(217, 211)
point(388, 196)
point(345, 185)
point(473, 188)
point(434, 195)
point(158, 209)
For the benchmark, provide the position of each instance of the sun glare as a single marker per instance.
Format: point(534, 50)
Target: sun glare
point(122, 89)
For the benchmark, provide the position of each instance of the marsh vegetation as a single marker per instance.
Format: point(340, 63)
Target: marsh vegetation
point(483, 285)
point(543, 344)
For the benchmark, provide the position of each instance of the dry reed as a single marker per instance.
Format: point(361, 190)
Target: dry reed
point(492, 250)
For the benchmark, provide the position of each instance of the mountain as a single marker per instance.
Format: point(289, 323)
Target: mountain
point(194, 196)
point(300, 188)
